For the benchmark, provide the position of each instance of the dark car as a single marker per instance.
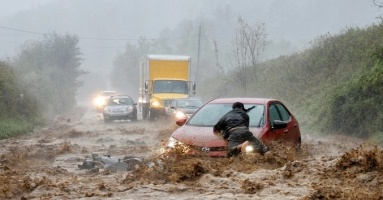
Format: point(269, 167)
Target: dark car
point(270, 120)
point(183, 108)
point(120, 107)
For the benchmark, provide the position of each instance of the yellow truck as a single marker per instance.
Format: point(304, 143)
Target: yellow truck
point(163, 78)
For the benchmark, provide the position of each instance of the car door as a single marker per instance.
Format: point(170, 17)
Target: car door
point(277, 111)
point(291, 132)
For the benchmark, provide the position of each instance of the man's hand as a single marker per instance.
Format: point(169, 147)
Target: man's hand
point(218, 134)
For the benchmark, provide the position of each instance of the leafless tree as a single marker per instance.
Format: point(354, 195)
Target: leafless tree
point(248, 46)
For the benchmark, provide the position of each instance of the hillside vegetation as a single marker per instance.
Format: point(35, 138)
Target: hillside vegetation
point(39, 83)
point(335, 86)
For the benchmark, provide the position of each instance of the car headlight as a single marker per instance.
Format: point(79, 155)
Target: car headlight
point(99, 101)
point(129, 108)
point(249, 149)
point(180, 114)
point(176, 146)
point(172, 142)
point(155, 103)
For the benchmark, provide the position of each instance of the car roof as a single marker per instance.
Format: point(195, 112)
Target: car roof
point(245, 100)
point(120, 96)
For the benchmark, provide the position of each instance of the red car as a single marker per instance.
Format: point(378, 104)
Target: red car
point(270, 120)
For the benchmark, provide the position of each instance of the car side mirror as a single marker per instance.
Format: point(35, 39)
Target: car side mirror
point(172, 107)
point(278, 124)
point(146, 87)
point(181, 122)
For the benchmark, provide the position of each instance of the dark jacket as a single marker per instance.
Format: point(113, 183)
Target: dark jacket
point(234, 118)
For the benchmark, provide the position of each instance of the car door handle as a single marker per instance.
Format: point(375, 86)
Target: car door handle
point(285, 131)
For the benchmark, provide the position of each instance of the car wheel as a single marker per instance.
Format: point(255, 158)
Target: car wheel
point(145, 113)
point(134, 118)
point(151, 115)
point(107, 120)
point(298, 145)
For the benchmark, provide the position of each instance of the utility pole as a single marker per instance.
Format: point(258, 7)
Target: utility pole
point(199, 47)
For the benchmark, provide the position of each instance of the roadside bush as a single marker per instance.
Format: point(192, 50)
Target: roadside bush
point(357, 105)
point(18, 111)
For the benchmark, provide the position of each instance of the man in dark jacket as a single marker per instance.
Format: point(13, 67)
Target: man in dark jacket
point(234, 127)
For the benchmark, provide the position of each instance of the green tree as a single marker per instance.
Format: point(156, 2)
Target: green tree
point(49, 71)
point(9, 91)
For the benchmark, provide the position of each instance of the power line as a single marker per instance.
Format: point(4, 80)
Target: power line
point(13, 29)
point(87, 38)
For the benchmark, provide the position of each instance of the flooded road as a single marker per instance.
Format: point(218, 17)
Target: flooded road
point(78, 156)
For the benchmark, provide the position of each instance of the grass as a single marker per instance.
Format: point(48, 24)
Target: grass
point(14, 127)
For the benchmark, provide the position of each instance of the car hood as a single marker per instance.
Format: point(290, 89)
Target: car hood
point(187, 110)
point(202, 136)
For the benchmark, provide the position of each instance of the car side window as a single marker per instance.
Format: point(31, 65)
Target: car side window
point(284, 113)
point(273, 113)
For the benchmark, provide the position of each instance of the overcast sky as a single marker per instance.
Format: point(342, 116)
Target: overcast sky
point(298, 21)
point(9, 7)
point(100, 24)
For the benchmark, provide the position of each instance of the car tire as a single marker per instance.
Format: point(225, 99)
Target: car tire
point(106, 120)
point(134, 118)
point(151, 115)
point(298, 145)
point(145, 113)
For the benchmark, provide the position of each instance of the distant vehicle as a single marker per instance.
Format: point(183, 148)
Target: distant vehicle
point(183, 108)
point(163, 78)
point(101, 99)
point(270, 120)
point(120, 107)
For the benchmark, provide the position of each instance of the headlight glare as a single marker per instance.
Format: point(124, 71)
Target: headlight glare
point(155, 103)
point(172, 142)
point(249, 149)
point(99, 101)
point(180, 115)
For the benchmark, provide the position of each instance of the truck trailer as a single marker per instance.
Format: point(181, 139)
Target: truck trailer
point(163, 78)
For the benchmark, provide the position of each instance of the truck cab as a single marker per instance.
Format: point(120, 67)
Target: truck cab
point(163, 79)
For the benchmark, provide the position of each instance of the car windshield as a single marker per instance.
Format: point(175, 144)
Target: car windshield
point(210, 114)
point(170, 86)
point(189, 103)
point(120, 101)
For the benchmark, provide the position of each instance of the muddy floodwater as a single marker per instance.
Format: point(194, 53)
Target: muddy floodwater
point(78, 156)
